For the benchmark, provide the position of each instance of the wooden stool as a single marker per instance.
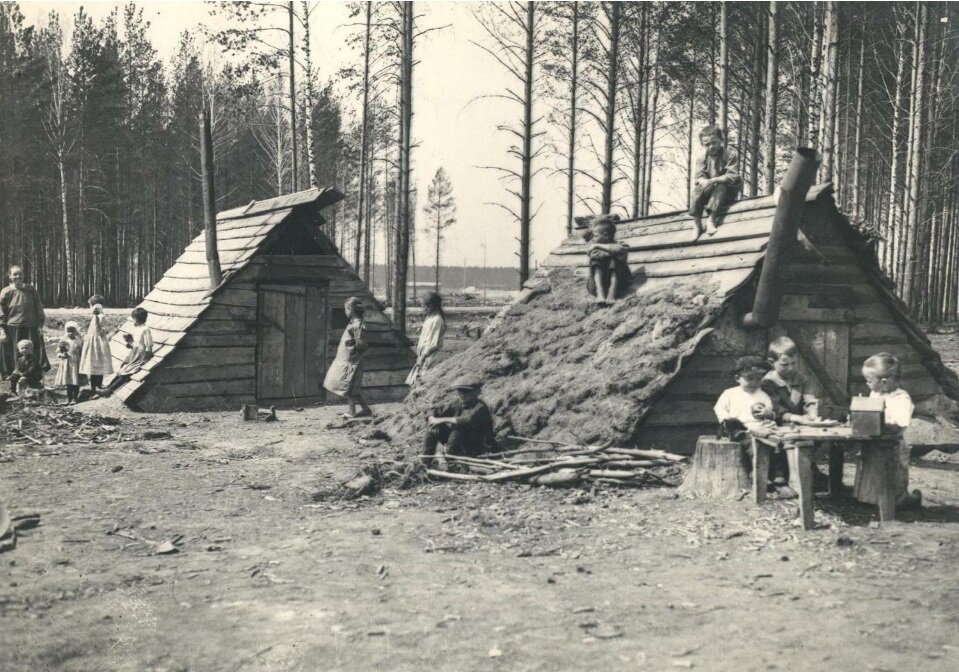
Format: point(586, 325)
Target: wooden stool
point(720, 469)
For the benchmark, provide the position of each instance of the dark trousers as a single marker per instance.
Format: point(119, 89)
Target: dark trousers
point(715, 198)
point(16, 379)
point(457, 441)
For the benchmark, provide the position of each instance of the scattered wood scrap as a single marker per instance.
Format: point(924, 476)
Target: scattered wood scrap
point(26, 424)
point(557, 464)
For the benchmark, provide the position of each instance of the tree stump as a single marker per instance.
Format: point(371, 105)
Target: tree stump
point(719, 469)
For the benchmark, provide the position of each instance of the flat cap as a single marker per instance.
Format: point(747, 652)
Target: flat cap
point(467, 382)
point(751, 364)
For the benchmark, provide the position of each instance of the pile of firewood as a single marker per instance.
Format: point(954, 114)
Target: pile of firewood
point(25, 424)
point(559, 464)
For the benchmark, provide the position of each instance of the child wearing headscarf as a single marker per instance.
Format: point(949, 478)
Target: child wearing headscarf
point(69, 348)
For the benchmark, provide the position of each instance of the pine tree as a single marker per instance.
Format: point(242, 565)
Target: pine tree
point(440, 208)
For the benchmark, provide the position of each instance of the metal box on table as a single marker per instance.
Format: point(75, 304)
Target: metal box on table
point(866, 415)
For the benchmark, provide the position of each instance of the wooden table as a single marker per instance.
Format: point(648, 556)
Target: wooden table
point(800, 442)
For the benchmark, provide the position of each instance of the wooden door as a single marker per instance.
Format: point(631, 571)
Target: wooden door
point(824, 355)
point(291, 343)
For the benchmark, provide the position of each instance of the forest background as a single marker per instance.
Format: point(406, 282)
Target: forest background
point(556, 109)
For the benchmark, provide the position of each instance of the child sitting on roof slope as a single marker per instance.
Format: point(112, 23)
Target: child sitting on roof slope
point(140, 343)
point(745, 406)
point(717, 181)
point(881, 372)
point(464, 427)
point(609, 274)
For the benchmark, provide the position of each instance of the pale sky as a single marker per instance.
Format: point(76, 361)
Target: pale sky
point(452, 127)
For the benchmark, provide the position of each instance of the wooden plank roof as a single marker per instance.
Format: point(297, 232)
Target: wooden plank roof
point(664, 247)
point(183, 293)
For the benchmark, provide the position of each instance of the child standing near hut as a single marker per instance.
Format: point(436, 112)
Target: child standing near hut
point(464, 427)
point(745, 405)
point(69, 349)
point(431, 335)
point(140, 343)
point(792, 397)
point(345, 375)
point(881, 372)
point(95, 360)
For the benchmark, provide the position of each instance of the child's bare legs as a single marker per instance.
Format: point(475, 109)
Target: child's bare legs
point(698, 223)
point(600, 285)
point(365, 410)
point(613, 288)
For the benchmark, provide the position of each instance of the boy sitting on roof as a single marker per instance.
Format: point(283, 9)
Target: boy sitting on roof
point(717, 183)
point(464, 427)
point(609, 274)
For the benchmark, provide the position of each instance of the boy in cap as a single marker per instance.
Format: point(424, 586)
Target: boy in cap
point(745, 405)
point(464, 427)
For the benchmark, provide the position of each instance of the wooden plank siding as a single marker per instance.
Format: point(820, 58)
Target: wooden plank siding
point(206, 340)
point(826, 284)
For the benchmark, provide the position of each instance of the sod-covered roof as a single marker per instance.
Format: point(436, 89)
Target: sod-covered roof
point(183, 293)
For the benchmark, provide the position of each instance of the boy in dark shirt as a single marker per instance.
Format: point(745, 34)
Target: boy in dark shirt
point(465, 427)
point(29, 372)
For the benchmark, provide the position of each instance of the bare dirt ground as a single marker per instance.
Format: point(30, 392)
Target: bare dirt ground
point(444, 576)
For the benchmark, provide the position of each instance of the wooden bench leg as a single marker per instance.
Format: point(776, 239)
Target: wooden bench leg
point(836, 458)
point(889, 481)
point(760, 470)
point(800, 464)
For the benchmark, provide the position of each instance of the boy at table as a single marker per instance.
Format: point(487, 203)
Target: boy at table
point(792, 396)
point(745, 405)
point(881, 372)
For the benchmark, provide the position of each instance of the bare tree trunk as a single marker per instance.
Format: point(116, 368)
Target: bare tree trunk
point(402, 235)
point(916, 164)
point(310, 95)
point(815, 79)
point(369, 233)
point(857, 149)
point(653, 120)
point(893, 219)
point(612, 82)
point(831, 86)
point(364, 142)
point(527, 173)
point(295, 183)
point(209, 199)
point(772, 93)
point(571, 150)
point(724, 70)
point(691, 139)
point(757, 105)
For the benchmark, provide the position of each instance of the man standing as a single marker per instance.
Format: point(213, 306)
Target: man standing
point(717, 183)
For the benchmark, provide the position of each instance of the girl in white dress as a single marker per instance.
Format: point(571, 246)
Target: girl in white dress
point(95, 360)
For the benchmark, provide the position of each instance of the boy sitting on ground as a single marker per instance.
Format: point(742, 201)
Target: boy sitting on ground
point(27, 378)
point(464, 427)
point(745, 406)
